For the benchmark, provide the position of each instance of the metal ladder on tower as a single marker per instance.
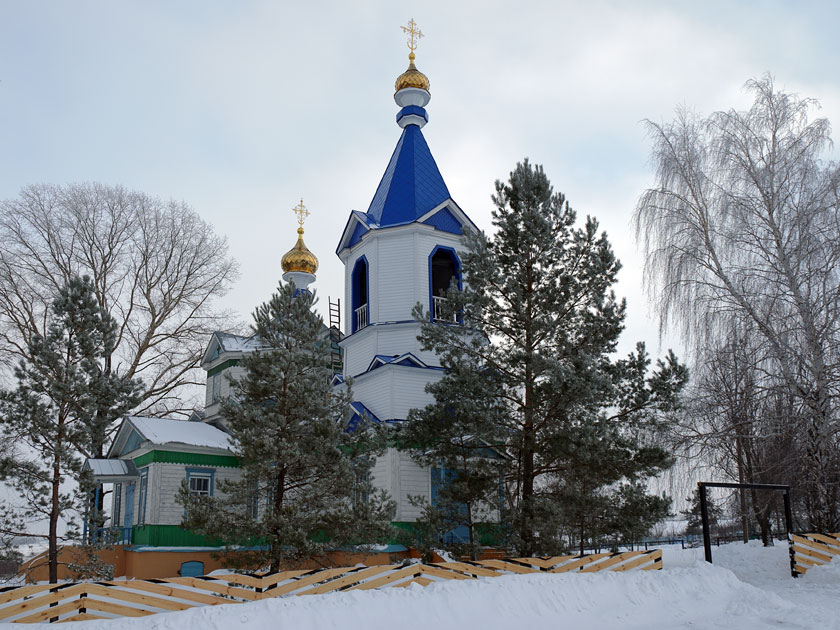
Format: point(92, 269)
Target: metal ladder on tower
point(336, 362)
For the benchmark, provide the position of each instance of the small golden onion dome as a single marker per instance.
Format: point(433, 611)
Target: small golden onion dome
point(299, 258)
point(412, 78)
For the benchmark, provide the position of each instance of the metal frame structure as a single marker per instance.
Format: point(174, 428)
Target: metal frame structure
point(704, 512)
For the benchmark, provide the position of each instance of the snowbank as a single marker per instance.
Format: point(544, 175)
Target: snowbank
point(694, 595)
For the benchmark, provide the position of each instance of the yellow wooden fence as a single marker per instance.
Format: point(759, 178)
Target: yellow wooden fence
point(810, 550)
point(137, 598)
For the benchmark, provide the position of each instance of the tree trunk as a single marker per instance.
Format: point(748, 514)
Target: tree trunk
point(762, 515)
point(280, 485)
point(745, 524)
point(526, 525)
point(54, 509)
point(471, 526)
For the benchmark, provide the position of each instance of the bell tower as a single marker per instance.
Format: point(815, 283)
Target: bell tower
point(405, 249)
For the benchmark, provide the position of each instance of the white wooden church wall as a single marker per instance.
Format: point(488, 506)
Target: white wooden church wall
point(381, 473)
point(165, 509)
point(359, 354)
point(402, 478)
point(391, 391)
point(414, 481)
point(223, 388)
point(164, 482)
point(398, 270)
point(392, 268)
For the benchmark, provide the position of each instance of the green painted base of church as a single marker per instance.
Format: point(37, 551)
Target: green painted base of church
point(169, 536)
point(176, 536)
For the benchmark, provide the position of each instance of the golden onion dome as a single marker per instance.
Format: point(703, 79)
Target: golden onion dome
point(412, 78)
point(299, 258)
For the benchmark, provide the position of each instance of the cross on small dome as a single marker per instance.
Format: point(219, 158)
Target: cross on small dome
point(299, 258)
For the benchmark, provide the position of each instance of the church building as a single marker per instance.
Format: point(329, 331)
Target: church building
point(404, 249)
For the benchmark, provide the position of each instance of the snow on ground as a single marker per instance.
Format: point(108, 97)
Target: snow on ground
point(749, 587)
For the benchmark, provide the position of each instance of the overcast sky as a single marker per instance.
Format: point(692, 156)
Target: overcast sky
point(242, 108)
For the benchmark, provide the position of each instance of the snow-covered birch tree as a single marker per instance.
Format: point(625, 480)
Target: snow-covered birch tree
point(742, 224)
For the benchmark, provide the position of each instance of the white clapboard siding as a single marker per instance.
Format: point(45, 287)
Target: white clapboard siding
point(381, 473)
point(167, 510)
point(384, 339)
point(409, 389)
point(394, 277)
point(235, 371)
point(414, 481)
point(398, 270)
point(391, 391)
point(359, 351)
point(401, 338)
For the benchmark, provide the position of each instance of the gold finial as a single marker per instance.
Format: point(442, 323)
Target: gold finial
point(301, 212)
point(414, 34)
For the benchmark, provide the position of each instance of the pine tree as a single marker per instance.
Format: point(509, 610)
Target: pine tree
point(53, 414)
point(465, 451)
point(694, 524)
point(306, 484)
point(539, 314)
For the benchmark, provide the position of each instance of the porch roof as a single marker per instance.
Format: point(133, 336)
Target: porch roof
point(111, 470)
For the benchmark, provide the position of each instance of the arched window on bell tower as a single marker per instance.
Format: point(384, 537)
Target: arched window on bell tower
point(360, 294)
point(444, 268)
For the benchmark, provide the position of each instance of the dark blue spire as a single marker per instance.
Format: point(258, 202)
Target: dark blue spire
point(412, 184)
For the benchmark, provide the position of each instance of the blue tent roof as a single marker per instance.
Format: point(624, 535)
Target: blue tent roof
point(412, 184)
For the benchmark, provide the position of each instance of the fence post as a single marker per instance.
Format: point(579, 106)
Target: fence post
point(789, 528)
point(704, 517)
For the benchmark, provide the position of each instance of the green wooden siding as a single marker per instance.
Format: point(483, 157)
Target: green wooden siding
point(169, 536)
point(197, 459)
point(222, 366)
point(177, 536)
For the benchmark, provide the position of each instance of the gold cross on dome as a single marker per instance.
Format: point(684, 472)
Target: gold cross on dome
point(414, 34)
point(301, 212)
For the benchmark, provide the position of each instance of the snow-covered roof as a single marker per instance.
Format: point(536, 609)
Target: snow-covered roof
point(167, 431)
point(112, 469)
point(239, 343)
point(221, 342)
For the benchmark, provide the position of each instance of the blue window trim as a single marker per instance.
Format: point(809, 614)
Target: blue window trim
point(354, 302)
point(116, 505)
point(203, 472)
point(143, 495)
point(457, 258)
point(128, 516)
point(253, 502)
